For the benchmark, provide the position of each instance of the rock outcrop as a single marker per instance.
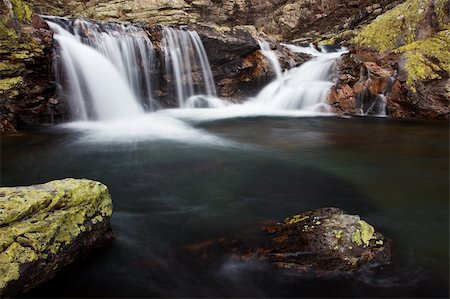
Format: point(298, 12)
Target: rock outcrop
point(45, 227)
point(285, 19)
point(25, 64)
point(323, 243)
point(403, 55)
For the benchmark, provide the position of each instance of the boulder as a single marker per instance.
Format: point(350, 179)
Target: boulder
point(322, 243)
point(43, 228)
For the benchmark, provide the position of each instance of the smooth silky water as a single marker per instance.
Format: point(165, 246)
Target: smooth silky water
point(229, 176)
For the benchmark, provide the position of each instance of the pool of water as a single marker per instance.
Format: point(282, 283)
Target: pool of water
point(170, 193)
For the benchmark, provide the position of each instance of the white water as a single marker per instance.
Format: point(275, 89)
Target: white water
point(103, 88)
point(124, 46)
point(185, 56)
point(97, 89)
point(272, 57)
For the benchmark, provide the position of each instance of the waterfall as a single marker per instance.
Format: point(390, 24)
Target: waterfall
point(271, 56)
point(107, 67)
point(303, 87)
point(187, 64)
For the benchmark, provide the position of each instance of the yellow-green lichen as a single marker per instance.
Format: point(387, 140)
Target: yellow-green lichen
point(8, 272)
point(10, 83)
point(425, 59)
point(296, 219)
point(363, 234)
point(393, 27)
point(22, 11)
point(338, 234)
point(41, 219)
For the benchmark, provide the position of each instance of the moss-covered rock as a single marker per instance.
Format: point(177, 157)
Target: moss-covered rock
point(43, 227)
point(418, 29)
point(25, 57)
point(324, 242)
point(427, 59)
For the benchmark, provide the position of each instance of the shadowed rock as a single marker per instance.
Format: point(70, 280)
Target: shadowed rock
point(322, 243)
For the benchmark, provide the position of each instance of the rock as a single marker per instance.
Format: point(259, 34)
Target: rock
point(25, 60)
point(43, 228)
point(239, 67)
point(324, 242)
point(411, 41)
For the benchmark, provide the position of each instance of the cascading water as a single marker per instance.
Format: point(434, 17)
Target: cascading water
point(271, 56)
point(304, 87)
point(185, 57)
point(107, 66)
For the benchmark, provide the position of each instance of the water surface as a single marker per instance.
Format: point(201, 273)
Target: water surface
point(229, 176)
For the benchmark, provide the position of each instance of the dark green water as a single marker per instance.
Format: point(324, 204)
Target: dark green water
point(168, 195)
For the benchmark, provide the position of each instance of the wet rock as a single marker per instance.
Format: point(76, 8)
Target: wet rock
point(323, 243)
point(238, 65)
point(43, 228)
point(411, 41)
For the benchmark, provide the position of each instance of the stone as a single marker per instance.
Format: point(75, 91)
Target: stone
point(324, 242)
point(43, 228)
point(409, 95)
point(25, 57)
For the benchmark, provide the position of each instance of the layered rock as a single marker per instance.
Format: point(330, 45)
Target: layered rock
point(25, 63)
point(323, 243)
point(43, 228)
point(285, 19)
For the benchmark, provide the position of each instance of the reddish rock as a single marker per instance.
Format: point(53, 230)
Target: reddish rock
point(363, 75)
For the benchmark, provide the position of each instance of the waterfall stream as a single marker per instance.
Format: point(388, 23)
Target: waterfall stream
point(184, 57)
point(104, 70)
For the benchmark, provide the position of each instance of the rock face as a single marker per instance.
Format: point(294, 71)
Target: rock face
point(239, 68)
point(25, 64)
point(403, 54)
point(45, 227)
point(286, 19)
point(323, 243)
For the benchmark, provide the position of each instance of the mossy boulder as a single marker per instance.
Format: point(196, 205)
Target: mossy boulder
point(322, 243)
point(45, 227)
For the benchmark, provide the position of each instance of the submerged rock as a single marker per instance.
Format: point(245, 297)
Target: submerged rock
point(45, 227)
point(322, 243)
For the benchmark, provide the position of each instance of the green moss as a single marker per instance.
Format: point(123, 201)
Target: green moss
point(425, 59)
point(296, 219)
point(364, 234)
point(384, 33)
point(22, 11)
point(38, 220)
point(8, 84)
point(442, 9)
point(6, 33)
point(8, 272)
point(22, 55)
